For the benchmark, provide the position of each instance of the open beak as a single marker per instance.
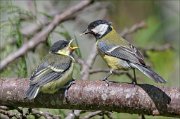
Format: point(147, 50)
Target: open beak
point(85, 32)
point(71, 47)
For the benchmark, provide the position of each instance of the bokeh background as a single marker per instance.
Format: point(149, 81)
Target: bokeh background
point(18, 18)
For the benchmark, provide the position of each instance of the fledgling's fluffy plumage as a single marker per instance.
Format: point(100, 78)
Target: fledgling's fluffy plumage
point(54, 71)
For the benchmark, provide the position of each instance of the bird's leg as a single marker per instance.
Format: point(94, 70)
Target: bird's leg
point(107, 76)
point(67, 87)
point(134, 82)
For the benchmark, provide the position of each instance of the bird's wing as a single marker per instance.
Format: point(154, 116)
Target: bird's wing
point(136, 52)
point(50, 69)
point(129, 54)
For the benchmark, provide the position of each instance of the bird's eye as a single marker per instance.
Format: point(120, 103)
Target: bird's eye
point(64, 45)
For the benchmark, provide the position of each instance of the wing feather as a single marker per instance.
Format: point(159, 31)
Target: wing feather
point(129, 54)
point(51, 68)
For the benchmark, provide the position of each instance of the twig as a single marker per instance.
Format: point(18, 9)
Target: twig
point(42, 35)
point(33, 29)
point(37, 113)
point(100, 113)
point(4, 108)
point(46, 115)
point(109, 115)
point(117, 72)
point(89, 63)
point(70, 115)
point(21, 112)
point(133, 28)
point(9, 114)
point(74, 114)
point(92, 114)
point(161, 48)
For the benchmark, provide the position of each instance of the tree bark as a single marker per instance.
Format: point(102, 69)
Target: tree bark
point(96, 95)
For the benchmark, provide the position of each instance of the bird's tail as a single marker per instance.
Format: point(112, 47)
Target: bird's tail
point(32, 92)
point(149, 73)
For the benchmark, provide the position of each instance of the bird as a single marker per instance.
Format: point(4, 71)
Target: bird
point(117, 52)
point(54, 72)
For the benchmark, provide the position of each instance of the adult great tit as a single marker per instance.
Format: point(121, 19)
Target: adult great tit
point(54, 71)
point(118, 52)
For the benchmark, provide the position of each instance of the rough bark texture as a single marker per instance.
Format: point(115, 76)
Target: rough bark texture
point(96, 95)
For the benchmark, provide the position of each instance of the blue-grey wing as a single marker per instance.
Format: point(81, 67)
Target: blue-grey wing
point(125, 53)
point(52, 68)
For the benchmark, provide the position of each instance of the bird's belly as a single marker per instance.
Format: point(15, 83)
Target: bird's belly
point(116, 63)
point(55, 85)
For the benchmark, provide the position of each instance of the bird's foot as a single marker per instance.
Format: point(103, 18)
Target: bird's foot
point(134, 83)
point(70, 83)
point(106, 81)
point(66, 90)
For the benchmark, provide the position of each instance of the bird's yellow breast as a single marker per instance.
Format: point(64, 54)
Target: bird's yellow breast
point(115, 63)
point(111, 61)
point(113, 38)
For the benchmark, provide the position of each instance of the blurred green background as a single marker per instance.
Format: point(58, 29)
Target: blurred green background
point(19, 18)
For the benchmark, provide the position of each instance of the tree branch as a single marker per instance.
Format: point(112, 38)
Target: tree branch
point(43, 34)
point(92, 114)
point(95, 95)
point(89, 63)
point(133, 28)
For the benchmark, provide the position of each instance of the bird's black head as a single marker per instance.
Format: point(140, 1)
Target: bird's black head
point(99, 28)
point(59, 45)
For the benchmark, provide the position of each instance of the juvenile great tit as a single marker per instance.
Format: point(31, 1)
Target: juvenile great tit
point(54, 71)
point(117, 52)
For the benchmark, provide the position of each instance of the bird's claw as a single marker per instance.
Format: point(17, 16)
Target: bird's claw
point(106, 81)
point(134, 83)
point(66, 90)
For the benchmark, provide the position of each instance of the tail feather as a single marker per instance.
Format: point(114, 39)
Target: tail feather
point(149, 73)
point(32, 92)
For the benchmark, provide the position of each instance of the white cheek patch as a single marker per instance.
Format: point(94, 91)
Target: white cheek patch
point(100, 29)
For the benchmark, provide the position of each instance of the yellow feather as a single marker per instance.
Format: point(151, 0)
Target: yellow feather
point(115, 63)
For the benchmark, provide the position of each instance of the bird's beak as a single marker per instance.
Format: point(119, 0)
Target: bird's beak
point(71, 46)
point(85, 32)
